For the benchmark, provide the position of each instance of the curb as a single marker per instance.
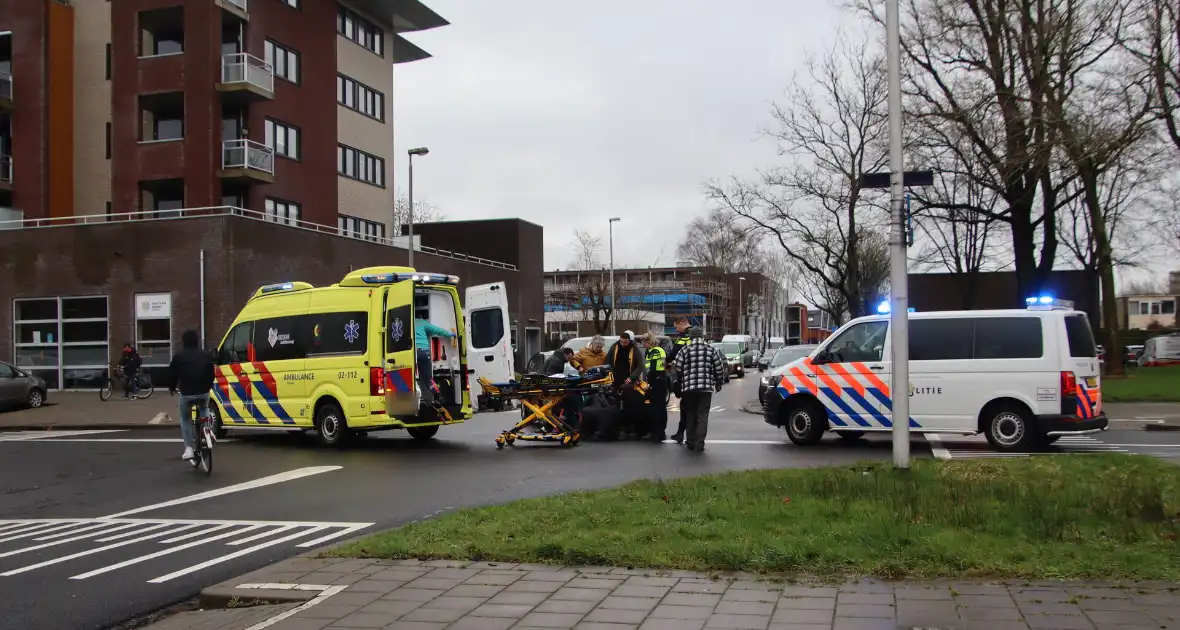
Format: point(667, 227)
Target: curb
point(1161, 427)
point(217, 597)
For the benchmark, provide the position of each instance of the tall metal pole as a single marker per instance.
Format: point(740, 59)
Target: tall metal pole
point(410, 218)
point(611, 239)
point(899, 307)
point(741, 310)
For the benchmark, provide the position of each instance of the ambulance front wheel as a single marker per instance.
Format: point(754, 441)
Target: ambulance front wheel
point(330, 426)
point(806, 421)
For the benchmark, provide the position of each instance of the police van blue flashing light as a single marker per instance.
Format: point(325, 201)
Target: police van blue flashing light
point(1047, 303)
point(883, 308)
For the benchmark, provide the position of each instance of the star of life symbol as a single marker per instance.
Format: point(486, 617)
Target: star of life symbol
point(272, 336)
point(398, 330)
point(352, 330)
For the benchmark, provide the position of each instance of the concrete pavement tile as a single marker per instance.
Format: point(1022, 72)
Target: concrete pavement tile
point(1040, 595)
point(943, 615)
point(744, 608)
point(1058, 622)
point(802, 616)
point(582, 594)
point(405, 594)
point(617, 615)
point(738, 622)
point(348, 565)
point(1157, 599)
point(456, 603)
point(641, 591)
point(439, 584)
point(565, 606)
point(520, 599)
point(453, 574)
point(982, 615)
point(594, 582)
point(373, 586)
point(865, 598)
point(973, 588)
point(534, 586)
point(483, 623)
point(533, 566)
point(807, 603)
point(397, 574)
point(594, 625)
point(328, 611)
point(863, 623)
point(319, 577)
point(1109, 604)
point(1029, 608)
point(996, 625)
point(799, 626)
point(810, 591)
point(1162, 614)
point(750, 595)
point(751, 585)
point(515, 611)
point(365, 620)
point(985, 601)
point(673, 624)
point(355, 599)
point(699, 586)
point(549, 620)
point(1120, 617)
point(447, 564)
point(295, 623)
point(408, 562)
point(416, 625)
point(498, 578)
point(865, 610)
point(865, 587)
point(501, 566)
point(1093, 592)
point(548, 576)
point(630, 603)
point(922, 594)
point(391, 608)
point(438, 615)
point(664, 611)
point(637, 580)
point(475, 590)
point(692, 599)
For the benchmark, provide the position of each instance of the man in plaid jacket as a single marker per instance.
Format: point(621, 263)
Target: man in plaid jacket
point(701, 372)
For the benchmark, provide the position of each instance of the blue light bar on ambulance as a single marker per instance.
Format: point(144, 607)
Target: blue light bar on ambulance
point(425, 278)
point(1047, 303)
point(271, 288)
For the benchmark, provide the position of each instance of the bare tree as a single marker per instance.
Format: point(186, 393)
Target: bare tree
point(833, 129)
point(1156, 44)
point(424, 212)
point(592, 294)
point(721, 239)
point(1144, 286)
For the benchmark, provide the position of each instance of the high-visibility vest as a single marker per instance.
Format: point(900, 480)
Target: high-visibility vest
point(655, 360)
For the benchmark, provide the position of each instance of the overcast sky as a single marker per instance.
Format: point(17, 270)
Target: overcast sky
point(565, 114)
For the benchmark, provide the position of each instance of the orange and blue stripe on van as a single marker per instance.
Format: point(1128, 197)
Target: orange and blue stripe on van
point(852, 389)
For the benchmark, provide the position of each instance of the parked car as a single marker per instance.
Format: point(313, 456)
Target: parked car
point(20, 388)
point(1131, 357)
point(733, 353)
point(782, 356)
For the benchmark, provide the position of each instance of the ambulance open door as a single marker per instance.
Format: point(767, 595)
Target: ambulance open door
point(401, 388)
point(489, 342)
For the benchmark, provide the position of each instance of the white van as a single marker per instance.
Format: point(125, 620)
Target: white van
point(1021, 377)
point(489, 338)
point(1159, 351)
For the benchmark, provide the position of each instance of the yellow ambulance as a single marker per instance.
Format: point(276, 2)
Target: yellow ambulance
point(340, 360)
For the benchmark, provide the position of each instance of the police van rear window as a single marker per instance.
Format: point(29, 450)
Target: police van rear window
point(1081, 338)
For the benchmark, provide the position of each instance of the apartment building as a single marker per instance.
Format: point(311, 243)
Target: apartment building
point(278, 106)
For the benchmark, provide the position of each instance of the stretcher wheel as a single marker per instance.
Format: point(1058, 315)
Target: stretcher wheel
point(511, 439)
point(499, 441)
point(567, 440)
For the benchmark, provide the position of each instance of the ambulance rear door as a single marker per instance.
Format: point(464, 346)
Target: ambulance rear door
point(401, 388)
point(489, 342)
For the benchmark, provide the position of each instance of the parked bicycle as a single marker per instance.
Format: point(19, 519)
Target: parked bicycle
point(143, 380)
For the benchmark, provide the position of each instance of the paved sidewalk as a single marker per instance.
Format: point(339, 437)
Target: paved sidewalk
point(86, 411)
point(437, 595)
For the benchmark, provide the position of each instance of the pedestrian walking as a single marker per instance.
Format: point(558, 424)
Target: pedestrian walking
point(681, 340)
point(701, 372)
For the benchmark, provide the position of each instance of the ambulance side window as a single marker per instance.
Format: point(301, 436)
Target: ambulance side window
point(235, 349)
point(864, 342)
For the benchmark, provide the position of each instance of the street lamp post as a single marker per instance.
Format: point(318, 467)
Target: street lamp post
point(898, 310)
point(410, 212)
point(611, 239)
point(741, 310)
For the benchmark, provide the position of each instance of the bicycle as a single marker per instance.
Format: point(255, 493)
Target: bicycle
point(204, 436)
point(143, 379)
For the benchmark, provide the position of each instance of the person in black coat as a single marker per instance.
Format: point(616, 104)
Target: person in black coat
point(191, 374)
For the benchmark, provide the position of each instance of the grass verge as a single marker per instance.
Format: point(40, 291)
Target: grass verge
point(1086, 516)
point(1152, 384)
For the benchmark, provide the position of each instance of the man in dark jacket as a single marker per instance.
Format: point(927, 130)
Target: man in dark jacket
point(625, 361)
point(555, 364)
point(191, 373)
point(702, 372)
point(129, 363)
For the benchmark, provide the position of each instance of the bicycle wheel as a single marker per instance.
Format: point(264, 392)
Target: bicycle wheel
point(145, 387)
point(206, 454)
point(107, 389)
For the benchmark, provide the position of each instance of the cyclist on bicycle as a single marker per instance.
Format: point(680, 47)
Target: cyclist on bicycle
point(191, 372)
point(129, 364)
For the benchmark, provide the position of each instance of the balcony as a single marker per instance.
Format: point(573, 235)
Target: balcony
point(246, 161)
point(246, 76)
point(5, 91)
point(236, 7)
point(5, 171)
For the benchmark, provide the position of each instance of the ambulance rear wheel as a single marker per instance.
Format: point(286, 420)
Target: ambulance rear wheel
point(422, 433)
point(330, 426)
point(806, 421)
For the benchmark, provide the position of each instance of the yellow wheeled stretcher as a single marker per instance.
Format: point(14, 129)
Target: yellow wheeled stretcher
point(539, 396)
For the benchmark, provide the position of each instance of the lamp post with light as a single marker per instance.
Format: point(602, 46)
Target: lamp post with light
point(410, 212)
point(611, 240)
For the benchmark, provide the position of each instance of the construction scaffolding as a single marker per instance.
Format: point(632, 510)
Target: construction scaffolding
point(705, 300)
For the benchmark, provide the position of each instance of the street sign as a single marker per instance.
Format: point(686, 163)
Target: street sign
point(908, 178)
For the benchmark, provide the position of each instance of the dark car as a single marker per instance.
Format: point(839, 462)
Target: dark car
point(781, 358)
point(20, 388)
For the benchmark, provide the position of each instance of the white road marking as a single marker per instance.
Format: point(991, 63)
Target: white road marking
point(163, 552)
point(52, 544)
point(203, 532)
point(27, 436)
point(146, 530)
point(325, 593)
point(82, 553)
point(340, 534)
point(160, 417)
point(37, 530)
point(936, 447)
point(103, 526)
point(249, 485)
point(948, 446)
point(262, 535)
point(236, 554)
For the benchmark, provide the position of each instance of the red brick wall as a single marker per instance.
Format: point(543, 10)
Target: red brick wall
point(28, 21)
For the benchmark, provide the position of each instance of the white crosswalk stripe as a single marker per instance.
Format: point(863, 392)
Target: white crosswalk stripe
point(976, 447)
point(26, 436)
point(27, 545)
point(711, 409)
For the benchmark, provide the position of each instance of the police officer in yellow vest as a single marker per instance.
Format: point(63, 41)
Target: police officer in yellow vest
point(682, 339)
point(655, 362)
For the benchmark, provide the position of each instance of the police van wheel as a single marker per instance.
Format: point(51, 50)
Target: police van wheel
point(806, 422)
point(1008, 428)
point(330, 426)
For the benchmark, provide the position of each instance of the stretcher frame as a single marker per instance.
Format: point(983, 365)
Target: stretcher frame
point(539, 397)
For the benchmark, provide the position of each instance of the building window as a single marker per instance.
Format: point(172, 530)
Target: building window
point(361, 228)
point(283, 60)
point(294, 4)
point(280, 211)
point(1157, 307)
point(360, 97)
point(161, 117)
point(161, 32)
point(361, 31)
point(284, 139)
point(64, 340)
point(153, 332)
point(358, 165)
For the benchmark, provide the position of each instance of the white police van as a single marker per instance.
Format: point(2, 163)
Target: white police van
point(1023, 378)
